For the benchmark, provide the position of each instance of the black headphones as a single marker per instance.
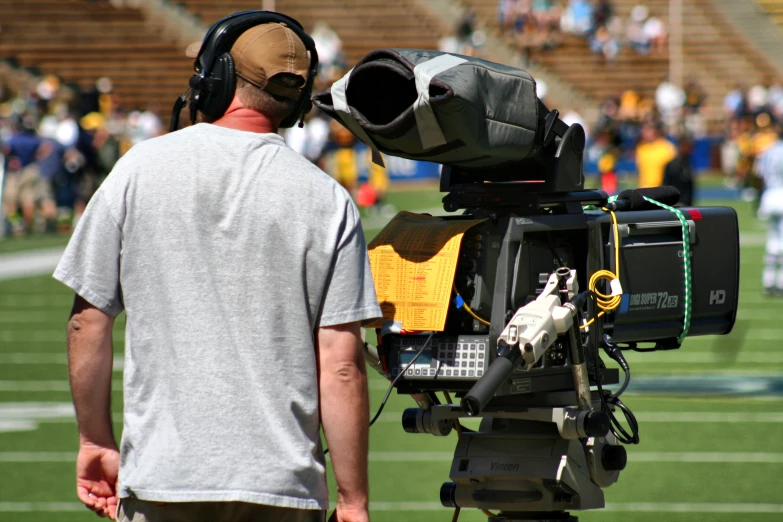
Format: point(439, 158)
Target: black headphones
point(212, 87)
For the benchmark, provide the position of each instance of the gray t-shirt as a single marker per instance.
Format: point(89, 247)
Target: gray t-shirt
point(227, 251)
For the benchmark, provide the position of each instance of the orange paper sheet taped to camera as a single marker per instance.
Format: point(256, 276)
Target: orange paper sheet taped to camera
point(413, 261)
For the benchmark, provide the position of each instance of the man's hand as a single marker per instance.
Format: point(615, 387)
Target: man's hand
point(96, 478)
point(344, 513)
point(90, 353)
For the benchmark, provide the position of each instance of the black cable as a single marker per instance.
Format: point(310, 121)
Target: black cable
point(606, 400)
point(616, 354)
point(391, 386)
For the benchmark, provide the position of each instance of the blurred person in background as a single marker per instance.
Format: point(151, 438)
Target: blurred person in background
point(756, 99)
point(770, 169)
point(655, 31)
point(22, 187)
point(747, 158)
point(603, 43)
point(505, 14)
point(330, 50)
point(653, 153)
point(735, 103)
point(694, 121)
point(602, 13)
point(637, 37)
point(578, 18)
point(730, 153)
point(60, 125)
point(310, 139)
point(678, 173)
point(669, 100)
point(341, 160)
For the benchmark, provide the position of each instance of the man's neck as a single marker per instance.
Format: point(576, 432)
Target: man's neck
point(241, 118)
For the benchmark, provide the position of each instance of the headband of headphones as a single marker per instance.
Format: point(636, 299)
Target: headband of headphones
point(212, 87)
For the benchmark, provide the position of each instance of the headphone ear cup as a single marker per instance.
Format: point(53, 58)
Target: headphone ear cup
point(215, 103)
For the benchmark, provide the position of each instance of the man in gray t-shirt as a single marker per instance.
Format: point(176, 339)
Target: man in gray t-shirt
point(243, 272)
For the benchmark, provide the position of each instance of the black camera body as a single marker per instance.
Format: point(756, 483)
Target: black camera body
point(529, 232)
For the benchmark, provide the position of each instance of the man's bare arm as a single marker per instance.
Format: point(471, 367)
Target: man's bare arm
point(345, 412)
point(90, 354)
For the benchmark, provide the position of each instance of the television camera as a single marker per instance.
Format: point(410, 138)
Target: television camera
point(552, 275)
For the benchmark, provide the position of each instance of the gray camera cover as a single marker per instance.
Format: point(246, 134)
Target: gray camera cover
point(439, 107)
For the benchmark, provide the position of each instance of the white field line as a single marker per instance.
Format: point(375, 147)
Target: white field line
point(33, 263)
point(672, 417)
point(45, 386)
point(16, 301)
point(655, 507)
point(694, 507)
point(764, 357)
point(48, 358)
point(758, 315)
point(63, 412)
point(411, 456)
point(683, 356)
point(40, 507)
point(33, 316)
point(58, 336)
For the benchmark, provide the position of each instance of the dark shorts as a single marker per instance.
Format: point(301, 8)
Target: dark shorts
point(135, 510)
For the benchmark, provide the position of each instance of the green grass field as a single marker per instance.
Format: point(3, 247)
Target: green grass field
point(705, 456)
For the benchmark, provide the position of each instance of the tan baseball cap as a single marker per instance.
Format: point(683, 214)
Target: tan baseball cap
point(264, 51)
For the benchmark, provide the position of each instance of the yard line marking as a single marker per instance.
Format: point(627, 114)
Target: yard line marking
point(33, 358)
point(672, 417)
point(37, 262)
point(755, 357)
point(48, 358)
point(633, 456)
point(45, 386)
point(707, 456)
point(34, 507)
point(717, 417)
point(671, 507)
point(695, 507)
point(7, 426)
point(427, 456)
point(36, 410)
point(25, 416)
point(31, 317)
point(16, 301)
point(763, 357)
point(393, 417)
point(37, 456)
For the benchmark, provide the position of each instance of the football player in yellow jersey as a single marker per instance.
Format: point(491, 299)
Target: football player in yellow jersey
point(652, 154)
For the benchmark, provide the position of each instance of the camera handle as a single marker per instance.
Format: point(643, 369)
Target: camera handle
point(528, 335)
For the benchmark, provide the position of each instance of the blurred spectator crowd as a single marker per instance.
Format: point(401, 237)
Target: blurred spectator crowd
point(541, 24)
point(753, 118)
point(58, 143)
